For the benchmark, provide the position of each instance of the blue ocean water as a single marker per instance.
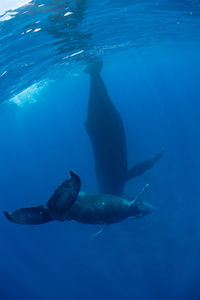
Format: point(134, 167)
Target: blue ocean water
point(151, 69)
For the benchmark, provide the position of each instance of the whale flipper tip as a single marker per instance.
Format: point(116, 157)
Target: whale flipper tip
point(31, 216)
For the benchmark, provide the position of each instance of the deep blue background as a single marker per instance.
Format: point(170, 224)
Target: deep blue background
point(157, 257)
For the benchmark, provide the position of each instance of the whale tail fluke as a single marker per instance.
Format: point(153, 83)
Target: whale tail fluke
point(142, 167)
point(94, 65)
point(30, 216)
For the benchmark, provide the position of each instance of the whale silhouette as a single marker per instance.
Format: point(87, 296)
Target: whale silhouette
point(67, 203)
point(107, 135)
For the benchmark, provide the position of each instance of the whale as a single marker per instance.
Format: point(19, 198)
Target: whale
point(68, 203)
point(106, 132)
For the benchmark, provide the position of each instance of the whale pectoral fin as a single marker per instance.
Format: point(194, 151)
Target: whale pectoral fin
point(138, 199)
point(99, 231)
point(31, 216)
point(142, 167)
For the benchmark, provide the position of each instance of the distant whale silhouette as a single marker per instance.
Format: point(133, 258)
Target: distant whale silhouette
point(68, 204)
point(106, 132)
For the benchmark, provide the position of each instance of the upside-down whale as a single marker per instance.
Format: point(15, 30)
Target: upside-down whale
point(67, 203)
point(106, 132)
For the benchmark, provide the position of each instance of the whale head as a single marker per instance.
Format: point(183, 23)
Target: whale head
point(145, 208)
point(142, 209)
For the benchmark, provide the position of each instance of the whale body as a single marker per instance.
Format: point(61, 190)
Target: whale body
point(67, 203)
point(106, 209)
point(107, 135)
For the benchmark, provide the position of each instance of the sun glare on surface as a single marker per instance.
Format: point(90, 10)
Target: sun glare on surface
point(29, 95)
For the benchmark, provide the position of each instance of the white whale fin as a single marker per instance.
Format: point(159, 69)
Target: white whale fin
point(102, 229)
point(138, 199)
